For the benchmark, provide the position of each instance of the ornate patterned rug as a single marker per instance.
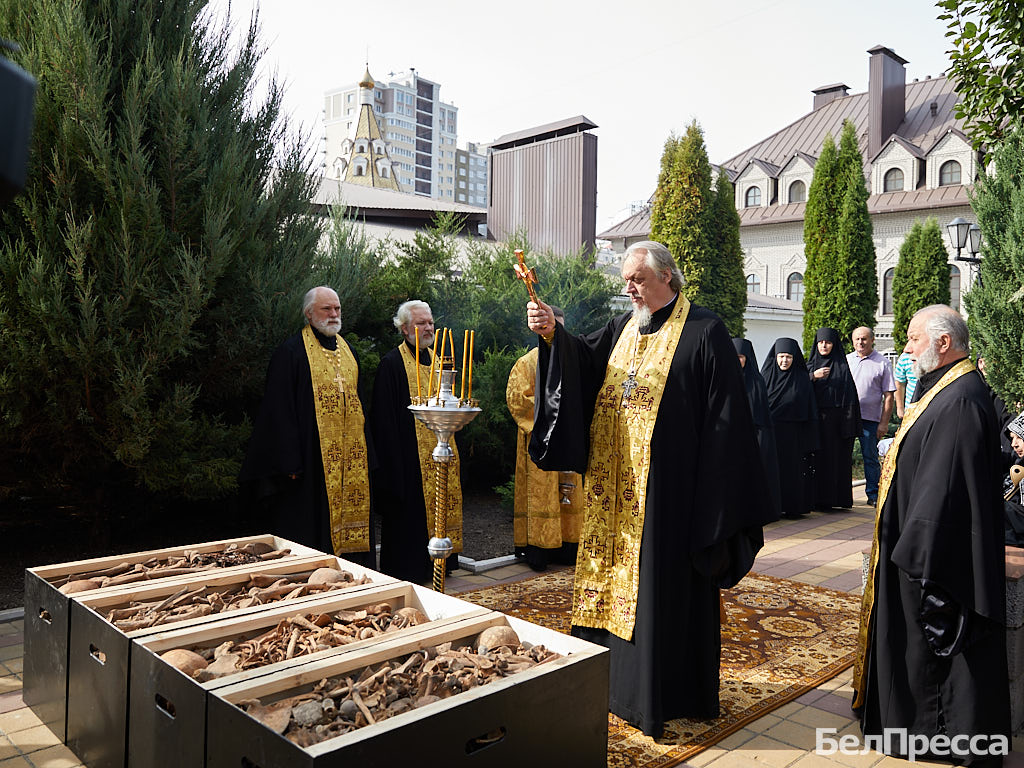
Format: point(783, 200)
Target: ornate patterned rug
point(782, 638)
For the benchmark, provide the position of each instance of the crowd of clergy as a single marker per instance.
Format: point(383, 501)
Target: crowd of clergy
point(628, 438)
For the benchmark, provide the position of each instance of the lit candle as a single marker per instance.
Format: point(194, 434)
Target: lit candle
point(472, 337)
point(430, 379)
point(417, 364)
point(465, 351)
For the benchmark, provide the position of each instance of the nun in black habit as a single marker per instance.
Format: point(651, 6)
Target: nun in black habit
point(835, 394)
point(795, 418)
point(757, 394)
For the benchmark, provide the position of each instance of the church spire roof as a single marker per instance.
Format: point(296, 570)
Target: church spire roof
point(369, 161)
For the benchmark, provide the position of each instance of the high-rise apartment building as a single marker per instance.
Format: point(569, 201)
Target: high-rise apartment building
point(471, 175)
point(419, 128)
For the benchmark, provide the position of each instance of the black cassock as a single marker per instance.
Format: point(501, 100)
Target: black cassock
point(937, 652)
point(285, 440)
point(838, 423)
point(702, 526)
point(397, 482)
point(757, 395)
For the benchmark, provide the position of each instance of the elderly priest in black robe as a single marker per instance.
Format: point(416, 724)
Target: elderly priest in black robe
point(932, 646)
point(403, 483)
point(652, 408)
point(306, 469)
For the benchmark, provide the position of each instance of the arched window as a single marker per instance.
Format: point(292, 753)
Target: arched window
point(795, 287)
point(753, 283)
point(954, 287)
point(887, 291)
point(361, 147)
point(949, 173)
point(893, 180)
point(753, 197)
point(798, 192)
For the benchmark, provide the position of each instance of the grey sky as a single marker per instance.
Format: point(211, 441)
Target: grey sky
point(640, 70)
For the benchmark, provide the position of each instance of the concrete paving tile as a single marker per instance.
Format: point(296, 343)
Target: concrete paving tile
point(734, 759)
point(33, 739)
point(709, 755)
point(793, 733)
point(12, 652)
point(11, 701)
point(506, 571)
point(808, 578)
point(737, 740)
point(818, 717)
point(813, 760)
point(770, 752)
point(19, 720)
point(787, 710)
point(9, 628)
point(764, 722)
point(811, 696)
point(14, 666)
point(16, 762)
point(7, 749)
point(9, 683)
point(55, 757)
point(836, 703)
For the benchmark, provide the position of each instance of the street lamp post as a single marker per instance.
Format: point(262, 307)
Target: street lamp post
point(963, 234)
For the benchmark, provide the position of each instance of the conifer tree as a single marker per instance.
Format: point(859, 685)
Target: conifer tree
point(996, 306)
point(840, 283)
point(820, 217)
point(923, 281)
point(700, 228)
point(727, 257)
point(158, 255)
point(904, 298)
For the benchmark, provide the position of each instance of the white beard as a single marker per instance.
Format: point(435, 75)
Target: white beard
point(928, 361)
point(328, 327)
point(642, 315)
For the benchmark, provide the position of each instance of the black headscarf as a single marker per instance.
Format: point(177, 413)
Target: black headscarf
point(757, 393)
point(790, 396)
point(837, 390)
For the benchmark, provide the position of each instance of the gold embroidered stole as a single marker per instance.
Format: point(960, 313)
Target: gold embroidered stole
point(867, 605)
point(615, 487)
point(339, 418)
point(425, 442)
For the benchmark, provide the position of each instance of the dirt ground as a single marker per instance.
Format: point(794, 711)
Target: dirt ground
point(35, 532)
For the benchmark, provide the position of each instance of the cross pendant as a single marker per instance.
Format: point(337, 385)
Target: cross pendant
point(628, 387)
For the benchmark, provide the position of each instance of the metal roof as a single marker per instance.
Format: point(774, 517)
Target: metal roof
point(546, 131)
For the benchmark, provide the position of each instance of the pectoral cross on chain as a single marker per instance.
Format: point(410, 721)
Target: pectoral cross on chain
point(629, 387)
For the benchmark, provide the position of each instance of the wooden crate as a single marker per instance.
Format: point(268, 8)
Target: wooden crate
point(99, 653)
point(552, 715)
point(46, 620)
point(167, 709)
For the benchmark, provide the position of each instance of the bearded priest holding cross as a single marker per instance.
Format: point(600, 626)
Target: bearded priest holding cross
point(652, 410)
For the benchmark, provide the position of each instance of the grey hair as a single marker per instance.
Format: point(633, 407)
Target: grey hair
point(659, 258)
point(404, 313)
point(310, 298)
point(940, 319)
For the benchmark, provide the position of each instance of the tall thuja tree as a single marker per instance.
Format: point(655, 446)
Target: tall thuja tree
point(840, 287)
point(159, 253)
point(728, 277)
point(681, 211)
point(856, 290)
point(923, 281)
point(905, 301)
point(996, 305)
point(821, 217)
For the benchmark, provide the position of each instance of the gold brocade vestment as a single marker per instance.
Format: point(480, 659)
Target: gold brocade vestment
point(339, 420)
point(425, 442)
point(615, 487)
point(539, 517)
point(913, 413)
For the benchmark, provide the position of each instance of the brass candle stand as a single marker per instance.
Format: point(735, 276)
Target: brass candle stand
point(444, 414)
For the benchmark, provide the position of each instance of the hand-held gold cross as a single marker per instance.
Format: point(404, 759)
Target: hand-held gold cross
point(528, 275)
